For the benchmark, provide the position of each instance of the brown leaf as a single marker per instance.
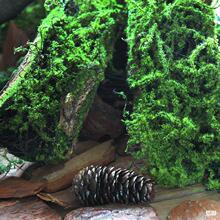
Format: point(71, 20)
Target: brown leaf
point(14, 187)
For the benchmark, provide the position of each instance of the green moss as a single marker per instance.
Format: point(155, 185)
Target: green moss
point(3, 79)
point(71, 51)
point(218, 26)
point(174, 63)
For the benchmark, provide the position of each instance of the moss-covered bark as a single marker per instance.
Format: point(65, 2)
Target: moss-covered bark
point(72, 49)
point(173, 66)
point(174, 63)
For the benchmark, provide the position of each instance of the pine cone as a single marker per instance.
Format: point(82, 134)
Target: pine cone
point(97, 185)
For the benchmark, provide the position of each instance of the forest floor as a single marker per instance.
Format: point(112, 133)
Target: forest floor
point(49, 188)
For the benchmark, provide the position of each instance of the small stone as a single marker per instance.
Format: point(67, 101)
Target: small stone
point(113, 212)
point(200, 209)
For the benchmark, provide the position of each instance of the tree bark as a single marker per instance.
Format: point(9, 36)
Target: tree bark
point(61, 176)
point(10, 9)
point(14, 187)
point(8, 89)
point(102, 121)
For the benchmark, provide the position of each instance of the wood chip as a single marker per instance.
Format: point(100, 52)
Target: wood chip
point(14, 187)
point(60, 176)
point(65, 198)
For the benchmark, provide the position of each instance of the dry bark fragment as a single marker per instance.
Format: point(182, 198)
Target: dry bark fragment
point(102, 120)
point(15, 37)
point(60, 176)
point(10, 9)
point(64, 198)
point(14, 187)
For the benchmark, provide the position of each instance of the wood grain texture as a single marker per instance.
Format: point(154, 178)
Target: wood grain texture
point(60, 177)
point(65, 198)
point(14, 187)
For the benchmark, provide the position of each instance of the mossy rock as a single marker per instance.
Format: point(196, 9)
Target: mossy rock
point(174, 63)
point(72, 48)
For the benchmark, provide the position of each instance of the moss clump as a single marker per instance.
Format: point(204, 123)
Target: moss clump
point(174, 63)
point(218, 26)
point(73, 50)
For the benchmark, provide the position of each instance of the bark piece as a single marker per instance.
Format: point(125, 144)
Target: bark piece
point(71, 79)
point(83, 146)
point(198, 209)
point(14, 187)
point(71, 106)
point(23, 68)
point(8, 203)
point(102, 121)
point(65, 198)
point(33, 209)
point(15, 38)
point(9, 9)
point(1, 63)
point(61, 176)
point(114, 212)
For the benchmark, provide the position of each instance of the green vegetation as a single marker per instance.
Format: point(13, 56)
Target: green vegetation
point(173, 70)
point(8, 162)
point(28, 21)
point(174, 63)
point(3, 79)
point(218, 26)
point(71, 50)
